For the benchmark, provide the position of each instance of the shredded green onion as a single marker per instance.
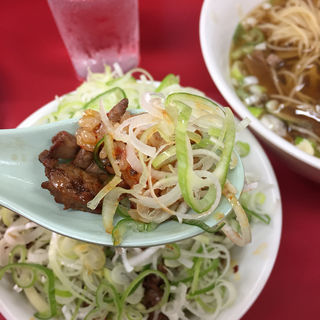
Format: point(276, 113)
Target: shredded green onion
point(47, 282)
point(202, 225)
point(126, 224)
point(105, 98)
point(243, 148)
point(265, 218)
point(75, 279)
point(96, 157)
point(171, 251)
point(257, 112)
point(168, 80)
point(139, 279)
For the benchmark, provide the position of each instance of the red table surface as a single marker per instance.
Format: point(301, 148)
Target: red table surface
point(34, 67)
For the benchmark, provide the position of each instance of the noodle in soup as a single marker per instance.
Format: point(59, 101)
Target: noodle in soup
point(275, 69)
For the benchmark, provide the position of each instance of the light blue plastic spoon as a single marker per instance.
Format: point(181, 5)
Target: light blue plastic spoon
point(21, 175)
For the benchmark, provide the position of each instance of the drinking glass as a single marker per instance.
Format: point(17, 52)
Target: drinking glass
point(98, 32)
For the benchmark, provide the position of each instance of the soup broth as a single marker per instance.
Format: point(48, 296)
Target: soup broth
point(275, 68)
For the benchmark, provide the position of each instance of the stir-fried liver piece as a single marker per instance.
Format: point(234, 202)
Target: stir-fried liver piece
point(83, 159)
point(64, 146)
point(116, 113)
point(70, 183)
point(153, 293)
point(78, 181)
point(72, 186)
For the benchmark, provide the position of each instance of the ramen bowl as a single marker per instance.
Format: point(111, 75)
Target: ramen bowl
point(218, 22)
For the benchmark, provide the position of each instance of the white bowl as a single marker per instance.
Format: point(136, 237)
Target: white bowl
point(255, 260)
point(218, 21)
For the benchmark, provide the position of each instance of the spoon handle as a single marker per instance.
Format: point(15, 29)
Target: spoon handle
point(20, 169)
point(22, 145)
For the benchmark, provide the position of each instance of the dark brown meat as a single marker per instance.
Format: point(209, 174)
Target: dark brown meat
point(69, 183)
point(72, 186)
point(116, 113)
point(125, 116)
point(76, 183)
point(162, 268)
point(152, 290)
point(46, 159)
point(83, 159)
point(64, 146)
point(153, 294)
point(130, 176)
point(94, 170)
point(107, 165)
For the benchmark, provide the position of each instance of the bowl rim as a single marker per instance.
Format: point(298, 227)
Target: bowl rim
point(238, 106)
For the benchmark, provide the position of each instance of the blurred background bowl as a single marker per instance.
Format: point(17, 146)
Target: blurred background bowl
point(218, 22)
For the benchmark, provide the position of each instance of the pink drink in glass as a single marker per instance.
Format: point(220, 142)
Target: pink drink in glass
point(98, 32)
